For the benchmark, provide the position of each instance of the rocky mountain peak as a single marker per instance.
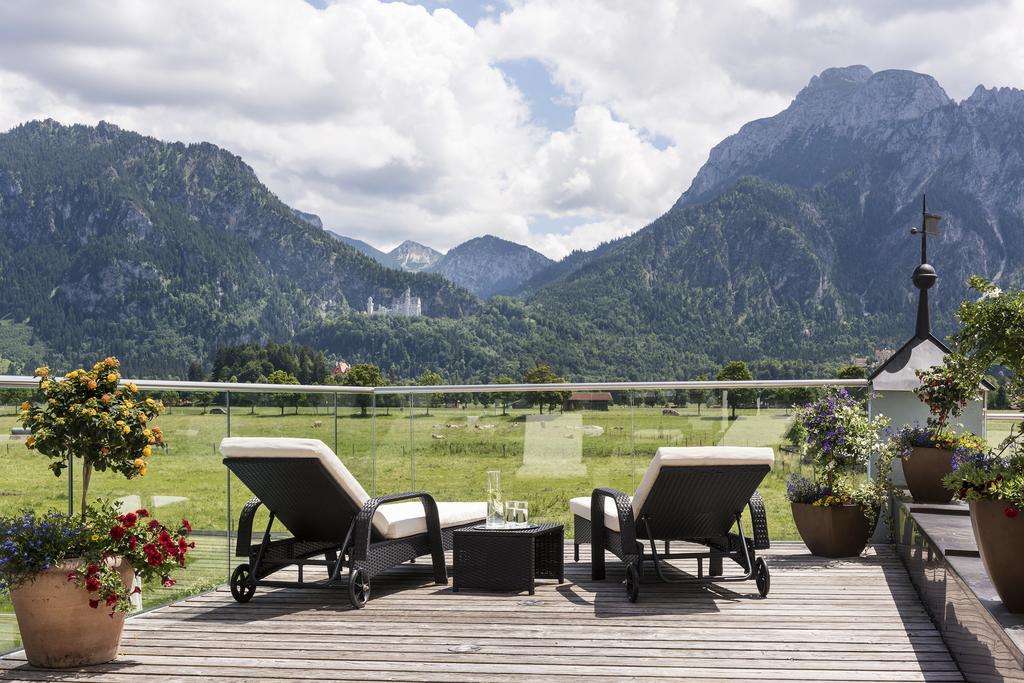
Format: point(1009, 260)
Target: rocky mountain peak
point(414, 257)
point(489, 265)
point(849, 103)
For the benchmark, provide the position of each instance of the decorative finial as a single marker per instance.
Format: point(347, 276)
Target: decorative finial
point(924, 276)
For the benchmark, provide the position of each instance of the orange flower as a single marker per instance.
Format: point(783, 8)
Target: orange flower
point(91, 384)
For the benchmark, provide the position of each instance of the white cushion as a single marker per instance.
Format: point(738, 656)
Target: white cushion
point(395, 520)
point(581, 506)
point(398, 520)
point(695, 456)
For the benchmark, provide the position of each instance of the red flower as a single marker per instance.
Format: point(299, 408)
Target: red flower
point(92, 585)
point(92, 569)
point(117, 532)
point(142, 512)
point(154, 560)
point(133, 540)
point(168, 582)
point(129, 519)
point(137, 589)
point(112, 599)
point(94, 603)
point(185, 525)
point(1011, 511)
point(154, 525)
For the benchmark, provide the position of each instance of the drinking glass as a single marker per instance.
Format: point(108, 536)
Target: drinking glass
point(495, 506)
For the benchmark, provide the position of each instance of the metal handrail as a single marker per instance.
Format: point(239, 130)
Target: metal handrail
point(26, 382)
point(1008, 417)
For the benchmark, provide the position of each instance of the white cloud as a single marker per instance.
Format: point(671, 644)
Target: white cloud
point(393, 122)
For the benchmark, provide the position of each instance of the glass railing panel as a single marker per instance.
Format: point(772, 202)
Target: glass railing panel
point(394, 418)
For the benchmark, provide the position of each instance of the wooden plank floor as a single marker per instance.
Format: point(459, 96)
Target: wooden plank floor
point(857, 620)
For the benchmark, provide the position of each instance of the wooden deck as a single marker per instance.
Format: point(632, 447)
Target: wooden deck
point(856, 620)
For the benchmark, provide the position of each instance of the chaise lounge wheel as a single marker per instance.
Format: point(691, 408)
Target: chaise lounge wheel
point(242, 589)
point(358, 588)
point(762, 577)
point(632, 582)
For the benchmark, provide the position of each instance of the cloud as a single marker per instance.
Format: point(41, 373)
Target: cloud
point(396, 121)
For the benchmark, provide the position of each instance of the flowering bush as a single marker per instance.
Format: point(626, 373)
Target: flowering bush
point(33, 544)
point(840, 440)
point(915, 436)
point(992, 333)
point(946, 389)
point(840, 436)
point(980, 473)
point(90, 416)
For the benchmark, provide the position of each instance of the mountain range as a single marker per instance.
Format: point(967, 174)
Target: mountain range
point(790, 249)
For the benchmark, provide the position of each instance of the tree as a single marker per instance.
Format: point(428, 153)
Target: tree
point(505, 398)
point(851, 372)
point(699, 396)
point(733, 371)
point(543, 374)
point(429, 378)
point(195, 372)
point(363, 375)
point(281, 400)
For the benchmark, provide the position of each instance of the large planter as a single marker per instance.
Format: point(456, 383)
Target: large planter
point(924, 469)
point(837, 531)
point(58, 628)
point(1001, 544)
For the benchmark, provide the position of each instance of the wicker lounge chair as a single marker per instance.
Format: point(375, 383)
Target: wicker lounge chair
point(306, 488)
point(695, 495)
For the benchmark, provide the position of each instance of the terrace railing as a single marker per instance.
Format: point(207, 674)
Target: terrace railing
point(442, 439)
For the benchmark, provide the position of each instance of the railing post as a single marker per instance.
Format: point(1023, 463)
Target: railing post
point(71, 484)
point(227, 405)
point(335, 422)
point(373, 442)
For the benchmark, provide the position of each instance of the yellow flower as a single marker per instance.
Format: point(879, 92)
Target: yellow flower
point(44, 385)
point(26, 405)
point(132, 388)
point(149, 401)
point(142, 418)
point(126, 429)
point(139, 463)
point(97, 366)
point(42, 372)
point(112, 377)
point(30, 441)
point(95, 537)
point(147, 451)
point(152, 439)
point(147, 432)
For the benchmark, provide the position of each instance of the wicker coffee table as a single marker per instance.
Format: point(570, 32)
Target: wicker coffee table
point(507, 559)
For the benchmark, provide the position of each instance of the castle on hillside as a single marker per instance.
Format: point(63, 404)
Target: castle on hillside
point(405, 306)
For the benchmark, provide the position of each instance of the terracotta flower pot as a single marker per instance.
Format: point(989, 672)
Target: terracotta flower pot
point(58, 628)
point(837, 531)
point(1001, 544)
point(924, 470)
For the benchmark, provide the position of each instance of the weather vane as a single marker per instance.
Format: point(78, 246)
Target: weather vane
point(924, 275)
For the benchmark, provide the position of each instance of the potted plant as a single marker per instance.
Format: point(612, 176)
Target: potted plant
point(834, 515)
point(927, 454)
point(992, 480)
point(70, 580)
point(61, 570)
